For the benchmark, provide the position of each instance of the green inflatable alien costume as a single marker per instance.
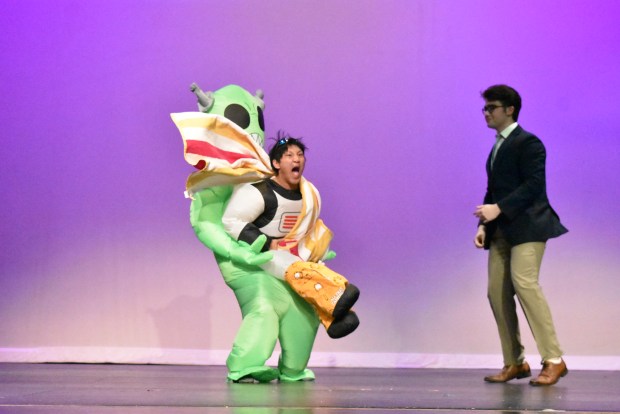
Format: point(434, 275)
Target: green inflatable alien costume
point(224, 142)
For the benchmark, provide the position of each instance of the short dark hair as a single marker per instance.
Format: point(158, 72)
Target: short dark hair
point(283, 141)
point(506, 95)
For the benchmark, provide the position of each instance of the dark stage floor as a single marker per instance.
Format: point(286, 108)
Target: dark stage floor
point(77, 388)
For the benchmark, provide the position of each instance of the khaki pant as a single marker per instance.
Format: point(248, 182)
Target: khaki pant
point(514, 270)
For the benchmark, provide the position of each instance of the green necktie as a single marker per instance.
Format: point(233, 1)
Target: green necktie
point(498, 141)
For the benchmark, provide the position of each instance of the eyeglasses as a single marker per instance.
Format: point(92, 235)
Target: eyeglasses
point(490, 108)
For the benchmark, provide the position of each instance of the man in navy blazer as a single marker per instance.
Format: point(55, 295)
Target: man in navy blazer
point(515, 222)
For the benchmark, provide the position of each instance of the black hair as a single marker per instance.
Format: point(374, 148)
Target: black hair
point(283, 142)
point(506, 95)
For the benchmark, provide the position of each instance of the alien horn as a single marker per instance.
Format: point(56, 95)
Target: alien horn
point(205, 100)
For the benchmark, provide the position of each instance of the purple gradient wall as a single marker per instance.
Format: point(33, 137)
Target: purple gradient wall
point(97, 252)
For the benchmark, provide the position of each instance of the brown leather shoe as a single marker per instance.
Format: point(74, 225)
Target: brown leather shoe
point(550, 374)
point(510, 372)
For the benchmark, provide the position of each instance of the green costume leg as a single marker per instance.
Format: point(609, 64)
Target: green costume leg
point(298, 328)
point(270, 309)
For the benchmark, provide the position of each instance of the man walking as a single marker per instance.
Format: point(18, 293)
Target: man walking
point(515, 222)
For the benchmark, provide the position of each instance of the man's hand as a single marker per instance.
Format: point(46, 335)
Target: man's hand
point(251, 255)
point(481, 234)
point(487, 212)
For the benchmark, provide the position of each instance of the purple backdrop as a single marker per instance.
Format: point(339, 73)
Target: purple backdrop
point(95, 228)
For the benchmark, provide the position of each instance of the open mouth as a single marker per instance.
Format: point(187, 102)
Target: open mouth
point(295, 169)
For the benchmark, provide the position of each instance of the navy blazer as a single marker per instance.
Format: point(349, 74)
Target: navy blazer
point(517, 184)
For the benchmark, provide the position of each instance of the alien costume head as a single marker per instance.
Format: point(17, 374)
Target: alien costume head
point(236, 104)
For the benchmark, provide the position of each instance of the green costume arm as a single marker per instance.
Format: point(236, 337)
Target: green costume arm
point(205, 216)
point(329, 255)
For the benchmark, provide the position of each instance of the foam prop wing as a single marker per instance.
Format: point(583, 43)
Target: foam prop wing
point(222, 151)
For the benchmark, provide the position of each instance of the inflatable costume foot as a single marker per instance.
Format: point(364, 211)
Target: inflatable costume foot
point(329, 293)
point(305, 375)
point(254, 374)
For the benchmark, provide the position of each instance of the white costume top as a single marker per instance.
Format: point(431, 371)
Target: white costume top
point(262, 208)
point(266, 208)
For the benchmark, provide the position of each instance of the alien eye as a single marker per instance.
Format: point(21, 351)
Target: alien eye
point(237, 114)
point(261, 120)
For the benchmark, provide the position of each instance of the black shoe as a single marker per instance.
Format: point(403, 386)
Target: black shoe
point(346, 301)
point(343, 326)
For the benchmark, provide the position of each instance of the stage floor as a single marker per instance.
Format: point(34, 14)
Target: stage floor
point(111, 389)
